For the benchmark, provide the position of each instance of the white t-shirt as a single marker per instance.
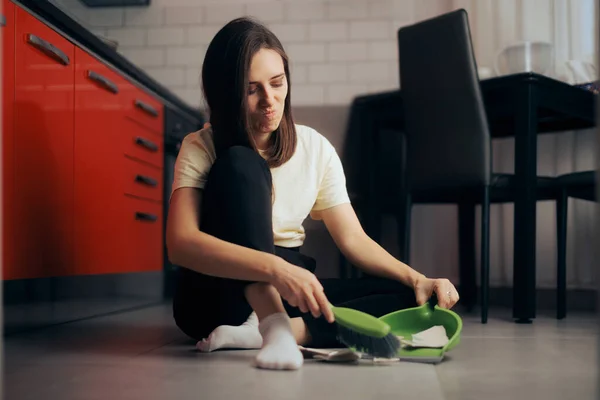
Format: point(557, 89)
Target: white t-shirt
point(311, 181)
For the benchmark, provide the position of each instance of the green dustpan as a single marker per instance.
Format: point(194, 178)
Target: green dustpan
point(409, 321)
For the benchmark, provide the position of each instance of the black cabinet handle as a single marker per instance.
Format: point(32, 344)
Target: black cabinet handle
point(142, 216)
point(146, 143)
point(146, 180)
point(2, 20)
point(147, 108)
point(103, 81)
point(48, 48)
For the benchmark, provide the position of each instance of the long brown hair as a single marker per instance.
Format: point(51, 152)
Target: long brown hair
point(225, 84)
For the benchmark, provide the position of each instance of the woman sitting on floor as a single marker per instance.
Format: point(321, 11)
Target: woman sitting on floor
point(242, 188)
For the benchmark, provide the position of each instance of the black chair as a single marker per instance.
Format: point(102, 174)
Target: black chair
point(449, 157)
point(579, 185)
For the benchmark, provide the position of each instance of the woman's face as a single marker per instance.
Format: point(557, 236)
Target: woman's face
point(267, 91)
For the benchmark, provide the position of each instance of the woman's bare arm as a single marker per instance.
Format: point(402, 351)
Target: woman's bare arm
point(191, 248)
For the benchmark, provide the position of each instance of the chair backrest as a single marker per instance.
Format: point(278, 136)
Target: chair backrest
point(448, 141)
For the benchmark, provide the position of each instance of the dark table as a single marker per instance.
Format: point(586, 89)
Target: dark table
point(520, 106)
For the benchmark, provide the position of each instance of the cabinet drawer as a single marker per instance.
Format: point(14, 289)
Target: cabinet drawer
point(98, 88)
point(143, 225)
point(141, 144)
point(143, 180)
point(145, 109)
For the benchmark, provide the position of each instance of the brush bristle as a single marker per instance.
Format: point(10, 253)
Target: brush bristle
point(385, 347)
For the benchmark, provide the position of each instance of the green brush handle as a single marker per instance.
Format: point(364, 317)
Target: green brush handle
point(360, 322)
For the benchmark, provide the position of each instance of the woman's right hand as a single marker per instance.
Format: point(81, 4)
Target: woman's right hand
point(301, 288)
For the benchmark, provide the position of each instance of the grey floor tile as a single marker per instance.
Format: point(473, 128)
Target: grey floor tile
point(500, 324)
point(521, 368)
point(25, 317)
point(104, 340)
point(142, 355)
point(29, 382)
point(228, 375)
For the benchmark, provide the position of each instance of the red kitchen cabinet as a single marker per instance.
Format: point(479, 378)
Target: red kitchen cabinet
point(82, 174)
point(43, 151)
point(8, 99)
point(98, 163)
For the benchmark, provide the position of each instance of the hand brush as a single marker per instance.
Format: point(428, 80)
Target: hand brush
point(365, 333)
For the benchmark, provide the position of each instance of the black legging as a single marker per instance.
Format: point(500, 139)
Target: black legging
point(236, 207)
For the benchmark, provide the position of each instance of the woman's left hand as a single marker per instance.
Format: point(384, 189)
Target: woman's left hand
point(424, 288)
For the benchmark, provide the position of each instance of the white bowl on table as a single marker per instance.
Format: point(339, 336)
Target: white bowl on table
point(525, 57)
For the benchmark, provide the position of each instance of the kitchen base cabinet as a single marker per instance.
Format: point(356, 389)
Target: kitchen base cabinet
point(8, 139)
point(97, 167)
point(83, 157)
point(42, 225)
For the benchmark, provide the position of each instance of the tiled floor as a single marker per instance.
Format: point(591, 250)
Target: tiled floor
point(141, 355)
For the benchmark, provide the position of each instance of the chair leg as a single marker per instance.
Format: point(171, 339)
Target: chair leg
point(371, 214)
point(561, 267)
point(485, 255)
point(466, 254)
point(403, 220)
point(342, 266)
point(372, 218)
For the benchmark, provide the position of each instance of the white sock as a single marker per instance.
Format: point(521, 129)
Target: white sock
point(245, 336)
point(279, 349)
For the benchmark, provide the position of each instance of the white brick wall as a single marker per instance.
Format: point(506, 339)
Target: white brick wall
point(360, 30)
point(266, 12)
point(171, 76)
point(128, 36)
point(201, 34)
point(386, 50)
point(184, 16)
point(299, 73)
point(349, 51)
point(326, 73)
point(306, 53)
point(221, 14)
point(347, 10)
point(107, 18)
point(193, 76)
point(370, 71)
point(185, 56)
point(327, 31)
point(305, 10)
point(290, 33)
point(145, 57)
point(151, 16)
point(165, 36)
point(338, 48)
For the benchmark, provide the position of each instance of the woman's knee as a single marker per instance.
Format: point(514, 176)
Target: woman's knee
point(237, 200)
point(240, 153)
point(239, 163)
